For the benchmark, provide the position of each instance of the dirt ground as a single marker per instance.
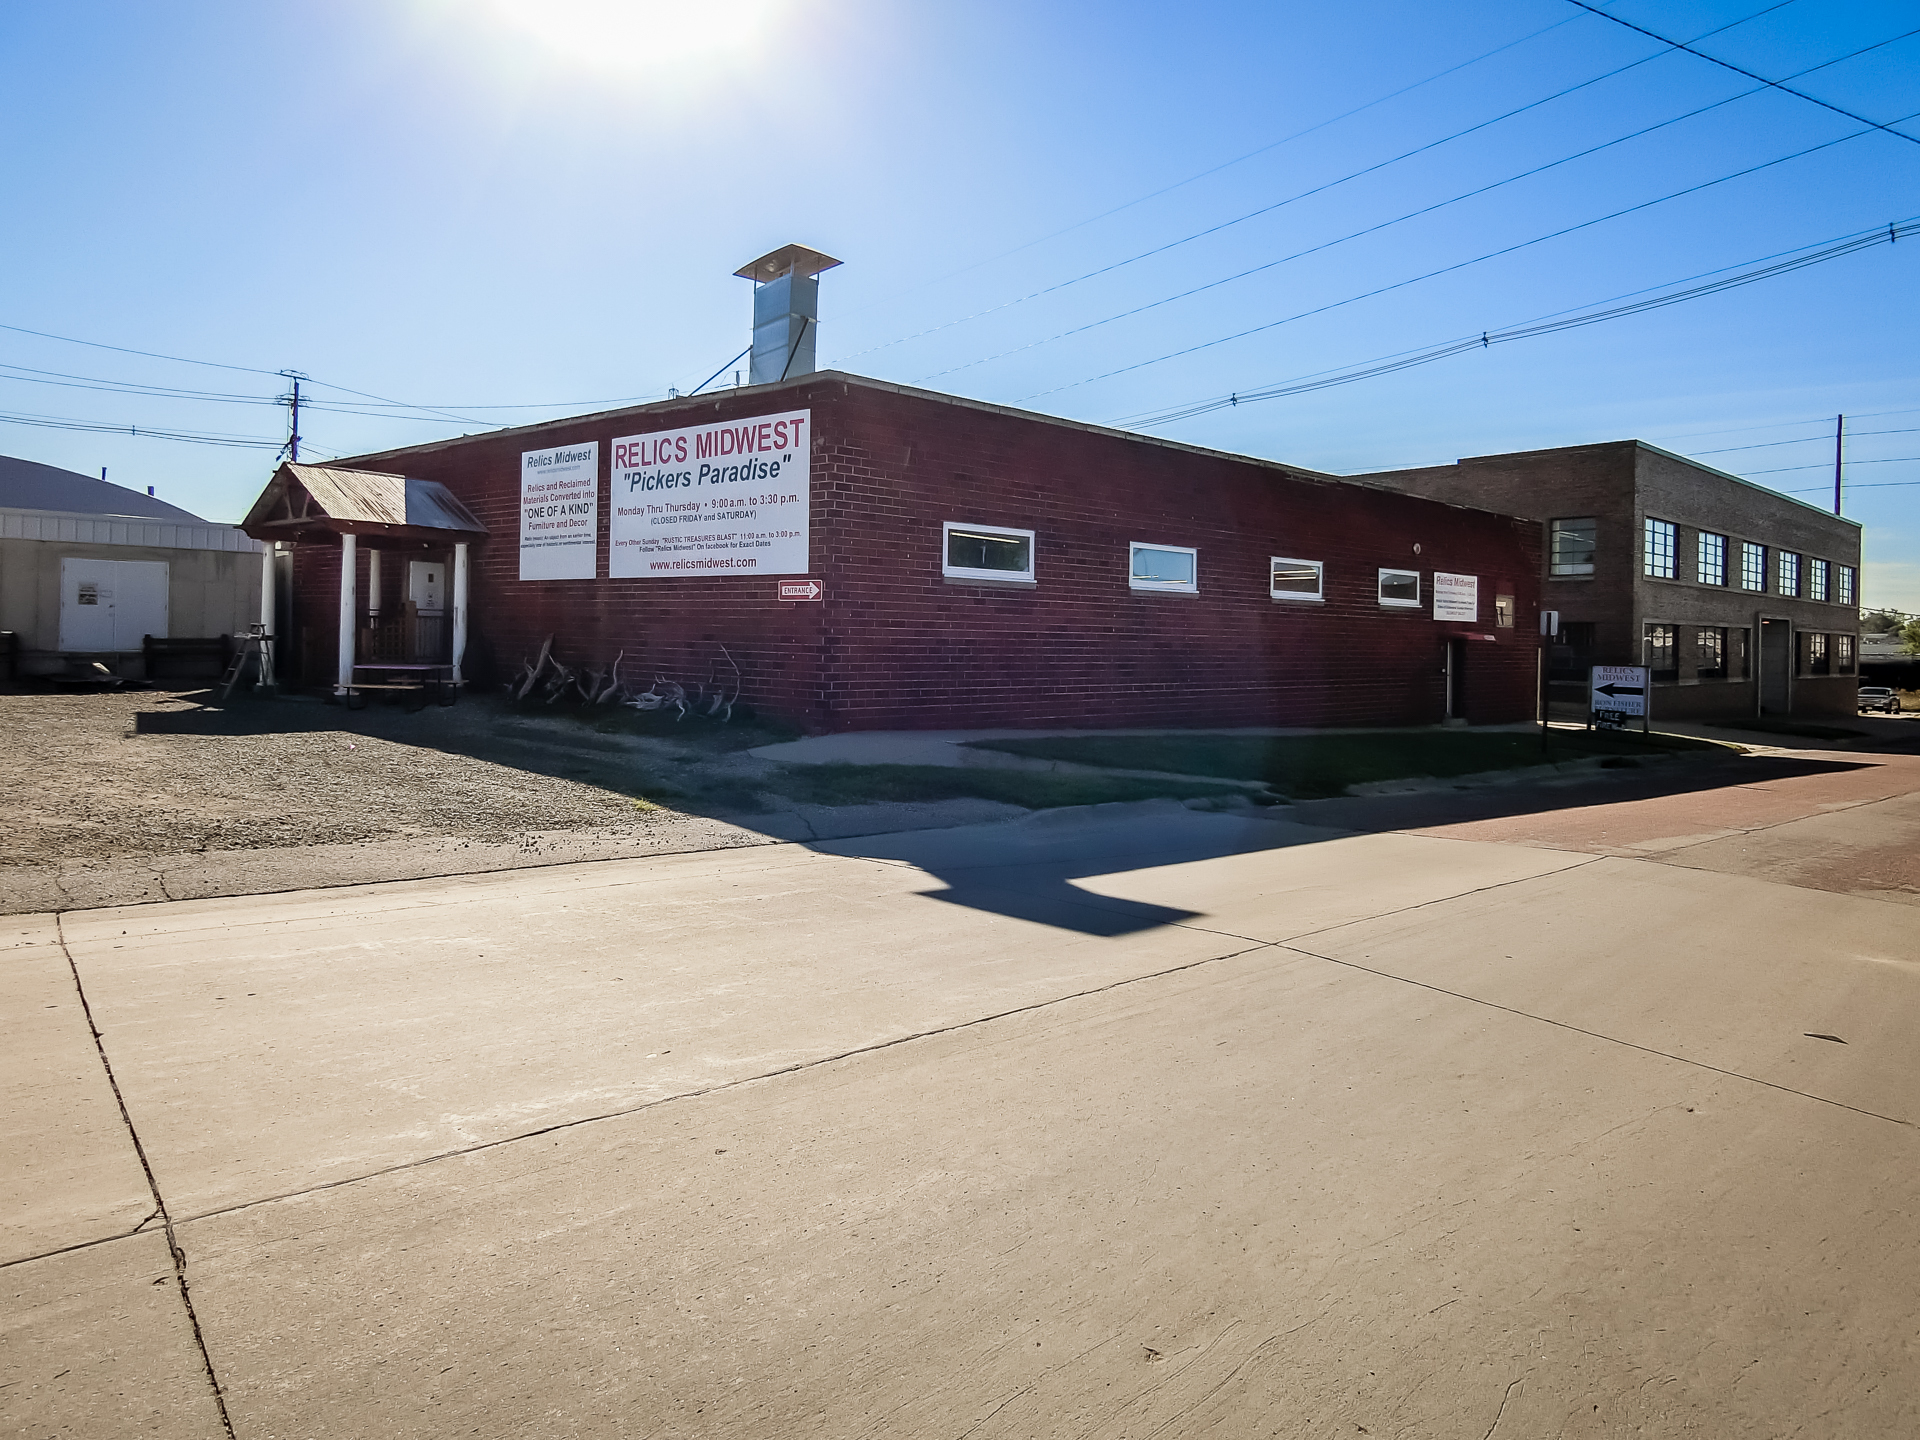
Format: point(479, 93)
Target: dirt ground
point(107, 775)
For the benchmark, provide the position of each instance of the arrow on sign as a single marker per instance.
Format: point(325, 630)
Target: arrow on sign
point(801, 589)
point(1612, 689)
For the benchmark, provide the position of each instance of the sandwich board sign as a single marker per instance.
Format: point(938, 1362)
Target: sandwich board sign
point(1618, 693)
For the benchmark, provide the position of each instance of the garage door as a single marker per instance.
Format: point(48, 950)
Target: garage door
point(108, 605)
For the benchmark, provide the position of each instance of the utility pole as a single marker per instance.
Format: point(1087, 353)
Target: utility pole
point(1839, 441)
point(293, 402)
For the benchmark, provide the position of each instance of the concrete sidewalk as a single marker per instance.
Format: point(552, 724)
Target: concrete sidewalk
point(1175, 1124)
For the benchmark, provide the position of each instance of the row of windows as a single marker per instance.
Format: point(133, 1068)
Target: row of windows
point(1794, 574)
point(1571, 544)
point(1722, 653)
point(979, 552)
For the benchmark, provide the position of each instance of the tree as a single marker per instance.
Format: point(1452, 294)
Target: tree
point(1882, 622)
point(1910, 637)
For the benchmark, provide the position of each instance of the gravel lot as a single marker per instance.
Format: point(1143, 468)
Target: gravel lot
point(110, 775)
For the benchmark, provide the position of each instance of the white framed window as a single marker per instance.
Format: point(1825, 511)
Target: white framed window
point(1400, 588)
point(1296, 579)
point(1659, 547)
point(1163, 567)
point(986, 552)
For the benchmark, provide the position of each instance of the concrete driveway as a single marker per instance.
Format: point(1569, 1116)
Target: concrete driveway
point(1519, 1118)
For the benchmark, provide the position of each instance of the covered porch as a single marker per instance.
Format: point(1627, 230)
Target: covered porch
point(402, 611)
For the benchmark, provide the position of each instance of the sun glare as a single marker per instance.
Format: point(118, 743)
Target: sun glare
point(646, 33)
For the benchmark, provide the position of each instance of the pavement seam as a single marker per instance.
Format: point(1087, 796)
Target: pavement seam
point(1732, 831)
point(798, 1067)
point(153, 1185)
point(1597, 1035)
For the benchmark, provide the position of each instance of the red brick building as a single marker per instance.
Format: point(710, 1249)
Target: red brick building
point(977, 567)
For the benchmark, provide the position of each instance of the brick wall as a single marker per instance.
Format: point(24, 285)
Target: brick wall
point(895, 645)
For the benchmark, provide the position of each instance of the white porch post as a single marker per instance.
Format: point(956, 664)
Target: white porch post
point(266, 613)
point(459, 606)
point(349, 576)
point(373, 587)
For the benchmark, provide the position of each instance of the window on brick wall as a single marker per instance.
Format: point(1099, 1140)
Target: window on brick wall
point(1663, 656)
point(1713, 559)
point(1710, 653)
point(1843, 654)
point(1843, 585)
point(985, 552)
point(1164, 567)
point(1400, 587)
point(1753, 566)
point(1818, 572)
point(1740, 660)
point(1658, 546)
point(1296, 579)
point(1789, 573)
point(1503, 612)
point(1570, 546)
point(1815, 656)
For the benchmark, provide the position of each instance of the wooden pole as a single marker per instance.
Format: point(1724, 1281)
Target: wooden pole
point(1839, 444)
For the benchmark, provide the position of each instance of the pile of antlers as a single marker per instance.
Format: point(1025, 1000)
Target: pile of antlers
point(600, 685)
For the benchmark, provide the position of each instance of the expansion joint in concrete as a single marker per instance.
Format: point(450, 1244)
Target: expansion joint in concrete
point(153, 1186)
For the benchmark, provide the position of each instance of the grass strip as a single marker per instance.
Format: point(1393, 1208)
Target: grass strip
point(846, 784)
point(1311, 767)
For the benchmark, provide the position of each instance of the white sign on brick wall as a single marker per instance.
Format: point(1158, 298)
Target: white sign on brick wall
point(559, 512)
point(729, 498)
point(1456, 597)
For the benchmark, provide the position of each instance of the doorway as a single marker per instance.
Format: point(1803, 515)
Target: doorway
point(1456, 673)
point(1776, 667)
point(427, 601)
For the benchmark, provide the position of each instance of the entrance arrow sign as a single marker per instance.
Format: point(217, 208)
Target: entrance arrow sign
point(1619, 689)
point(801, 590)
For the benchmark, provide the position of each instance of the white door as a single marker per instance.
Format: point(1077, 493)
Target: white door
point(108, 605)
point(427, 586)
point(86, 605)
point(139, 602)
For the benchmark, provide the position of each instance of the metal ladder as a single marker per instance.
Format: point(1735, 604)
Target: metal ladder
point(255, 645)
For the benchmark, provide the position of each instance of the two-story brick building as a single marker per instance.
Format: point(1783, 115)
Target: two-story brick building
point(1742, 601)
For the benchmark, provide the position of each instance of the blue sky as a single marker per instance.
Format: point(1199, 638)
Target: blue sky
point(448, 203)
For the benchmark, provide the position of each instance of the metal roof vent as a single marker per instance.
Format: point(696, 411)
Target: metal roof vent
point(786, 311)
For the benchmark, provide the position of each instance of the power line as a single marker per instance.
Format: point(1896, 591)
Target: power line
point(1804, 440)
point(1449, 269)
point(1827, 465)
point(1729, 65)
point(1384, 224)
point(1223, 165)
point(1306, 194)
point(55, 422)
point(1409, 359)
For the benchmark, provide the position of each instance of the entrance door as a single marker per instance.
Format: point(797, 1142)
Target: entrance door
point(427, 593)
point(1456, 679)
point(1776, 667)
point(111, 605)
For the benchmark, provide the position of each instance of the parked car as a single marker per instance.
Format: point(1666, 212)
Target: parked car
point(1879, 697)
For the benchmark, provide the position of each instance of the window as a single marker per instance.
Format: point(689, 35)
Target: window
point(1659, 548)
point(1710, 653)
point(1164, 567)
point(1295, 580)
point(1569, 659)
point(981, 552)
point(1662, 656)
point(1742, 666)
point(1816, 660)
point(1843, 654)
point(1503, 612)
point(1789, 573)
point(1400, 587)
point(1570, 545)
point(1753, 566)
point(1713, 559)
point(1843, 587)
point(1817, 572)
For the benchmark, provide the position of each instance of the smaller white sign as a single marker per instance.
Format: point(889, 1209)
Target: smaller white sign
point(1456, 597)
point(560, 512)
point(1619, 688)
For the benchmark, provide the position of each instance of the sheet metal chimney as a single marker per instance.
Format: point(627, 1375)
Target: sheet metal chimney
point(786, 312)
